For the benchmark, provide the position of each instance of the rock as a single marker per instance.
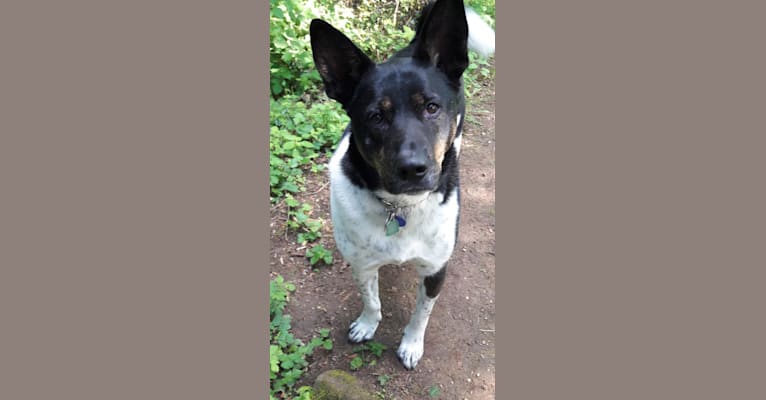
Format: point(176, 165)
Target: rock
point(339, 385)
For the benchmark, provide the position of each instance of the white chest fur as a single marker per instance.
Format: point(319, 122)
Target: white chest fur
point(358, 217)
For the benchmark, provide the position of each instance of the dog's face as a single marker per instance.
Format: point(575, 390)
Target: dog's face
point(404, 112)
point(403, 120)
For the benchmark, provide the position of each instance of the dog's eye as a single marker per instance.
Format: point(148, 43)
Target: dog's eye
point(375, 117)
point(432, 108)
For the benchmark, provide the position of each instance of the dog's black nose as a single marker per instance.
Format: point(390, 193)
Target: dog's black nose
point(412, 170)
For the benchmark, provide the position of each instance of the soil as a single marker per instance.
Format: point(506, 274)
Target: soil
point(459, 358)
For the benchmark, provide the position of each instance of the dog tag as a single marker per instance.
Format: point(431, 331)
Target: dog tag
point(400, 220)
point(392, 226)
point(393, 223)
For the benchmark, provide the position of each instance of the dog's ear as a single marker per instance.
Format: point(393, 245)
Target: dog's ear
point(443, 38)
point(340, 63)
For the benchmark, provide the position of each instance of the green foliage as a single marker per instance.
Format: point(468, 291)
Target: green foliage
point(299, 220)
point(379, 28)
point(319, 253)
point(375, 348)
point(383, 379)
point(299, 134)
point(433, 391)
point(309, 230)
point(356, 363)
point(485, 8)
point(478, 73)
point(292, 69)
point(279, 295)
point(367, 353)
point(287, 354)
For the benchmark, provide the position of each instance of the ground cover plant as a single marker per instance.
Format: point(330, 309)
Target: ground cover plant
point(288, 355)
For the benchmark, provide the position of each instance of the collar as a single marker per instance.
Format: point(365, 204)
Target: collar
point(395, 219)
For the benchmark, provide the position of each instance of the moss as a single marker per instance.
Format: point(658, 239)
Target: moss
point(339, 385)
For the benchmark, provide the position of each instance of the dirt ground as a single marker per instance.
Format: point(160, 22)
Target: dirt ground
point(459, 359)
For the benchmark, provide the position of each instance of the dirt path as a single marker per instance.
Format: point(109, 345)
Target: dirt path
point(459, 359)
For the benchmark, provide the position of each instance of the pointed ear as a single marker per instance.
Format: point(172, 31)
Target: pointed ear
point(339, 62)
point(443, 38)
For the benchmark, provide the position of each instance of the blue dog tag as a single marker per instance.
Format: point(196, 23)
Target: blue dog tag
point(400, 220)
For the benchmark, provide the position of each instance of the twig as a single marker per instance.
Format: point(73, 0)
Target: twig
point(396, 9)
point(288, 219)
point(278, 205)
point(321, 188)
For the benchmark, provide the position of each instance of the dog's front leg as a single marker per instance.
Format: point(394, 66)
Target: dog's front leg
point(411, 348)
point(364, 327)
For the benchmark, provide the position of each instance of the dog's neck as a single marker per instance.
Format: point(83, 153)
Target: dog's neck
point(393, 202)
point(396, 209)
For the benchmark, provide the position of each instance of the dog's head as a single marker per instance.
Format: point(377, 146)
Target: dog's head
point(405, 112)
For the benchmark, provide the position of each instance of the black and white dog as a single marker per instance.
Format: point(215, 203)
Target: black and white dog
point(394, 189)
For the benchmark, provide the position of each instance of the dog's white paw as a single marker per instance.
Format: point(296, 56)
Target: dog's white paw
point(361, 330)
point(409, 352)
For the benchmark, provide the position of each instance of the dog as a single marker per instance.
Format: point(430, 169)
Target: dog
point(394, 178)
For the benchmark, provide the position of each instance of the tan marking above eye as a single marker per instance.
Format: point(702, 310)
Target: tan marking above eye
point(385, 104)
point(418, 99)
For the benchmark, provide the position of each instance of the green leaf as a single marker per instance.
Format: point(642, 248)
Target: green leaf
point(383, 379)
point(290, 187)
point(376, 348)
point(287, 363)
point(274, 353)
point(279, 42)
point(356, 363)
point(290, 201)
